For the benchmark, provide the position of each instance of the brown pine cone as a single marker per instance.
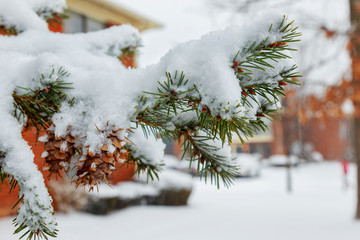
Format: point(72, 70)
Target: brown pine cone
point(96, 167)
point(58, 152)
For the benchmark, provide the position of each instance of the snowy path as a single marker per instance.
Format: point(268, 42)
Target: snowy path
point(253, 209)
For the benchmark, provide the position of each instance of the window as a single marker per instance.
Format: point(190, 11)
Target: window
point(77, 23)
point(169, 149)
point(93, 25)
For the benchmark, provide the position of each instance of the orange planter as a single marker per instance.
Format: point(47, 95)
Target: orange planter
point(128, 59)
point(7, 32)
point(7, 200)
point(55, 24)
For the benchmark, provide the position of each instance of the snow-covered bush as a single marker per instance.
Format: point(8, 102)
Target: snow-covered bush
point(92, 108)
point(249, 164)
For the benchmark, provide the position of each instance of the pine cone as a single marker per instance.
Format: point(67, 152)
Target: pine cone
point(58, 152)
point(96, 167)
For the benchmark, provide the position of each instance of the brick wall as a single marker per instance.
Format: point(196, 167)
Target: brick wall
point(332, 137)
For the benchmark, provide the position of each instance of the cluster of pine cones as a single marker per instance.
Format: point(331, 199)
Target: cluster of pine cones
point(91, 167)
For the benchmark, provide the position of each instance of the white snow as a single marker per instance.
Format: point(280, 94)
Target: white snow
point(347, 107)
point(19, 163)
point(254, 209)
point(149, 149)
point(24, 14)
point(323, 61)
point(317, 157)
point(126, 190)
point(249, 164)
point(106, 93)
point(169, 179)
point(220, 149)
point(282, 160)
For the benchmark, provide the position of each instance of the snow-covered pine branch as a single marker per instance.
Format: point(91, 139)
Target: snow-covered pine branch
point(199, 94)
point(17, 16)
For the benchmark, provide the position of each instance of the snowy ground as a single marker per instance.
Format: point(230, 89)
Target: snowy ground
point(319, 208)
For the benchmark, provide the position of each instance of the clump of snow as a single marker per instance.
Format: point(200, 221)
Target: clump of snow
point(127, 190)
point(169, 179)
point(27, 14)
point(316, 156)
point(248, 164)
point(45, 8)
point(149, 149)
point(171, 161)
point(210, 64)
point(347, 107)
point(219, 149)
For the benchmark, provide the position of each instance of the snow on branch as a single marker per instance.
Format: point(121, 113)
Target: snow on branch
point(74, 86)
point(20, 15)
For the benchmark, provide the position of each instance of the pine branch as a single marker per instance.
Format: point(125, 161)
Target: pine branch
point(143, 161)
point(170, 103)
point(175, 110)
point(34, 229)
point(128, 50)
point(5, 177)
point(258, 56)
point(174, 97)
point(127, 55)
point(7, 31)
point(209, 162)
point(156, 111)
point(142, 164)
point(41, 231)
point(39, 105)
point(52, 17)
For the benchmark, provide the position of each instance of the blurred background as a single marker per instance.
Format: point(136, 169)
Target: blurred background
point(298, 180)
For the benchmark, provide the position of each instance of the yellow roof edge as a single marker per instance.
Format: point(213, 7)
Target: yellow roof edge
point(105, 11)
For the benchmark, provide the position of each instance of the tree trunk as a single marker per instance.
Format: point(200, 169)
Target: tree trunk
point(355, 55)
point(357, 156)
